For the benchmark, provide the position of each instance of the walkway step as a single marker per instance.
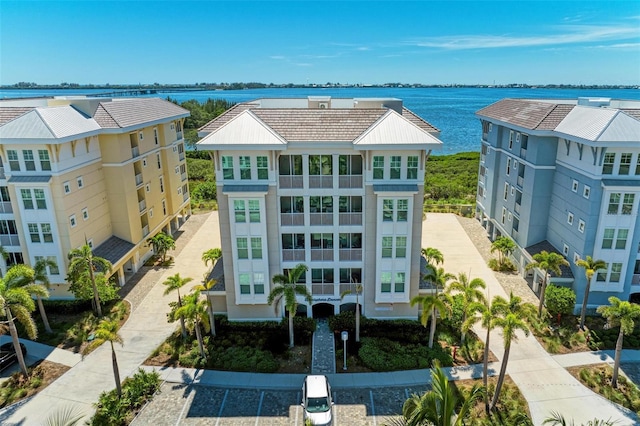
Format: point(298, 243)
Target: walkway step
point(324, 355)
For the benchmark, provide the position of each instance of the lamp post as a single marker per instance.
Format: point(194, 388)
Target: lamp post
point(345, 336)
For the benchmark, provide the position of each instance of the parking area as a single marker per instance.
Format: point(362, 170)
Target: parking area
point(180, 404)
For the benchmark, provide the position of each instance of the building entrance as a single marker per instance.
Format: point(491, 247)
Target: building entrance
point(322, 310)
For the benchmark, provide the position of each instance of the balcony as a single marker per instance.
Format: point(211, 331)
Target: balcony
point(320, 181)
point(181, 156)
point(351, 254)
point(292, 219)
point(145, 231)
point(318, 255)
point(350, 181)
point(142, 206)
point(5, 207)
point(321, 218)
point(293, 255)
point(290, 181)
point(185, 196)
point(9, 240)
point(135, 151)
point(179, 135)
point(517, 208)
point(139, 179)
point(523, 153)
point(520, 181)
point(183, 176)
point(347, 219)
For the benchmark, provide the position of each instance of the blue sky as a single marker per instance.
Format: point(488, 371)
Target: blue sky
point(370, 42)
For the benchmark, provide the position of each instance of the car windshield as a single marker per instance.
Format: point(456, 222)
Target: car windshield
point(317, 405)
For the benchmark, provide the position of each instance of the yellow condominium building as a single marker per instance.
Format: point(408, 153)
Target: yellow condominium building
point(110, 172)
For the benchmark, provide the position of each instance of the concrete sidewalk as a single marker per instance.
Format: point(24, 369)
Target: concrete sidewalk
point(542, 380)
point(145, 330)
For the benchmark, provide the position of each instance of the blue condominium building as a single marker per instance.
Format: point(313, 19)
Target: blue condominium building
point(564, 176)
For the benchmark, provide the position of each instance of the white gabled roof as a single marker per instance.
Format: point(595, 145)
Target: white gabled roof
point(244, 129)
point(600, 124)
point(49, 123)
point(394, 129)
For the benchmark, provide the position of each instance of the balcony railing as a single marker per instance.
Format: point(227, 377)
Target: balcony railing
point(9, 240)
point(321, 218)
point(351, 254)
point(322, 288)
point(185, 196)
point(517, 208)
point(5, 207)
point(320, 181)
point(181, 156)
point(292, 255)
point(135, 151)
point(138, 179)
point(292, 219)
point(348, 287)
point(321, 255)
point(145, 231)
point(523, 153)
point(142, 205)
point(183, 176)
point(2, 176)
point(290, 181)
point(178, 135)
point(350, 218)
point(350, 181)
point(520, 181)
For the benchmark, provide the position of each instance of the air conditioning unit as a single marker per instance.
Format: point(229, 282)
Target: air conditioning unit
point(323, 105)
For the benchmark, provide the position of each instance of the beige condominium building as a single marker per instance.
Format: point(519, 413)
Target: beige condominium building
point(335, 184)
point(110, 172)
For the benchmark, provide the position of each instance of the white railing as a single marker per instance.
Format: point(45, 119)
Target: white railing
point(292, 219)
point(321, 254)
point(138, 179)
point(290, 181)
point(290, 255)
point(179, 135)
point(135, 151)
point(350, 218)
point(2, 176)
point(350, 181)
point(142, 205)
point(5, 207)
point(145, 231)
point(321, 218)
point(351, 254)
point(520, 181)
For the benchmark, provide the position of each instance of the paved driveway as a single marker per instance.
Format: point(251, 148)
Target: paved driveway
point(181, 404)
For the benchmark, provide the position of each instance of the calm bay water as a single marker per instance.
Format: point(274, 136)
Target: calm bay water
point(452, 110)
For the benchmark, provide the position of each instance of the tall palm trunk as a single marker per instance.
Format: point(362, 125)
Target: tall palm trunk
point(290, 329)
point(542, 290)
point(616, 363)
point(182, 326)
point(212, 320)
point(463, 333)
point(116, 371)
point(432, 330)
point(503, 371)
point(16, 342)
point(485, 370)
point(43, 315)
point(357, 321)
point(585, 300)
point(199, 337)
point(96, 296)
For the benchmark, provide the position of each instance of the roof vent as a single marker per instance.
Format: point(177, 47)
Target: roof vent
point(323, 105)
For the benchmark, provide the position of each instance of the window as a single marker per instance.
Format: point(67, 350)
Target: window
point(350, 275)
point(155, 135)
point(321, 241)
point(506, 191)
point(80, 182)
point(52, 268)
point(402, 212)
point(296, 204)
point(29, 162)
point(395, 166)
point(47, 236)
point(258, 283)
point(164, 207)
point(627, 203)
point(177, 170)
point(510, 140)
point(378, 167)
point(385, 282)
point(581, 226)
point(513, 190)
point(387, 247)
point(401, 247)
point(320, 165)
point(158, 161)
point(509, 217)
point(601, 275)
point(262, 167)
point(4, 194)
point(239, 210)
point(352, 204)
point(412, 167)
point(621, 240)
point(625, 164)
point(254, 211)
point(350, 165)
point(256, 248)
point(293, 241)
point(322, 276)
point(387, 210)
point(607, 239)
point(41, 203)
point(638, 166)
point(72, 221)
point(316, 204)
point(290, 165)
point(616, 269)
point(508, 166)
point(147, 187)
point(85, 214)
point(151, 212)
point(161, 184)
point(504, 215)
point(140, 135)
point(33, 232)
point(27, 199)
point(144, 162)
point(607, 165)
point(576, 257)
point(245, 283)
point(586, 192)
point(45, 162)
point(574, 186)
point(350, 241)
point(245, 167)
point(67, 187)
point(565, 250)
point(14, 164)
point(243, 248)
point(14, 259)
point(614, 203)
point(227, 167)
point(399, 282)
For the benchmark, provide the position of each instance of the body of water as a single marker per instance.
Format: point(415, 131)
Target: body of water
point(452, 110)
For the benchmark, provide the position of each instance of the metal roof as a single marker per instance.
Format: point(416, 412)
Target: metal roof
point(243, 129)
point(549, 248)
point(113, 249)
point(49, 123)
point(244, 188)
point(393, 128)
point(620, 182)
point(395, 188)
point(30, 179)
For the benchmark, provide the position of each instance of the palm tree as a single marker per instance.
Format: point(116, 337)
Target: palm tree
point(208, 285)
point(161, 244)
point(548, 262)
point(433, 256)
point(358, 291)
point(504, 246)
point(438, 406)
point(15, 299)
point(194, 311)
point(40, 270)
point(107, 331)
point(513, 319)
point(619, 314)
point(470, 292)
point(590, 266)
point(434, 302)
point(174, 283)
point(211, 255)
point(287, 287)
point(557, 419)
point(83, 264)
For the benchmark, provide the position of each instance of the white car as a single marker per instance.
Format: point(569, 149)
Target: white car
point(316, 400)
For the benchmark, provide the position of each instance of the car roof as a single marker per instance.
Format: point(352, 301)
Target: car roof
point(316, 386)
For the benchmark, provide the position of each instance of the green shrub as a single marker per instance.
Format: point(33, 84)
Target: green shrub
point(380, 354)
point(559, 300)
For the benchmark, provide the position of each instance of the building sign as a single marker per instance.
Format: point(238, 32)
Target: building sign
point(325, 299)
